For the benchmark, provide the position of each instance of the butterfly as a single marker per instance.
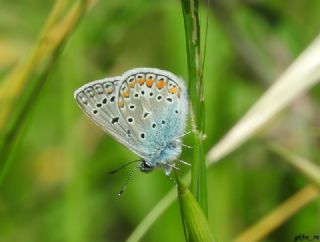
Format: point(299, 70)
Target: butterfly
point(145, 109)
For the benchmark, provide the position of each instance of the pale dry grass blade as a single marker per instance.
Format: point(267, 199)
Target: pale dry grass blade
point(279, 215)
point(54, 32)
point(301, 75)
point(306, 167)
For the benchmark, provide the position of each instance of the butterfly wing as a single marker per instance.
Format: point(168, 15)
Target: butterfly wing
point(99, 101)
point(155, 105)
point(143, 109)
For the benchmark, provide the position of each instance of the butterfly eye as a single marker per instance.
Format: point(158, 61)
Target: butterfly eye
point(145, 167)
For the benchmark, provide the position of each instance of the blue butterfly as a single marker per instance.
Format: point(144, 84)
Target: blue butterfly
point(145, 109)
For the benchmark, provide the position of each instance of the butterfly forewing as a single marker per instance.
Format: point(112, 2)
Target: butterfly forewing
point(99, 100)
point(143, 109)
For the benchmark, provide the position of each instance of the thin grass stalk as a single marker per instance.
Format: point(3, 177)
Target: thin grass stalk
point(14, 133)
point(192, 32)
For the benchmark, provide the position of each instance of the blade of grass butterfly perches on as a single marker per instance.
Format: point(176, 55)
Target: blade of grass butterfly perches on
point(196, 88)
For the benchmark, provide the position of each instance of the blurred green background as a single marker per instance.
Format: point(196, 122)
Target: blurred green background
point(57, 187)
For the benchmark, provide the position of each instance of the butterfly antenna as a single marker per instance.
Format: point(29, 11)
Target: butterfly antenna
point(128, 180)
point(123, 166)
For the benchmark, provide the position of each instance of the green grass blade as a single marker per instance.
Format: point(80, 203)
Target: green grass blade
point(192, 32)
point(40, 63)
point(193, 216)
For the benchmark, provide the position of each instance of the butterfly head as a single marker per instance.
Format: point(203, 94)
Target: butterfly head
point(145, 166)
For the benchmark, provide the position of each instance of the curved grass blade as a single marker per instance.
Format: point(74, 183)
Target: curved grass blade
point(306, 167)
point(46, 52)
point(301, 75)
point(279, 215)
point(193, 216)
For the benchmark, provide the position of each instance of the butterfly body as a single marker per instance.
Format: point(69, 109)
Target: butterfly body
point(145, 109)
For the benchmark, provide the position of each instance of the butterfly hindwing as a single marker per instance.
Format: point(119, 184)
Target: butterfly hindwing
point(155, 107)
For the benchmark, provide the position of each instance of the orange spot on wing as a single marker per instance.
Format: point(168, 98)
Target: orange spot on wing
point(131, 84)
point(121, 102)
point(173, 90)
point(109, 89)
point(125, 93)
point(161, 84)
point(150, 82)
point(141, 81)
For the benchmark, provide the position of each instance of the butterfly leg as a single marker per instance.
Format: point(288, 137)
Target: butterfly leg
point(187, 146)
point(169, 167)
point(168, 171)
point(184, 162)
